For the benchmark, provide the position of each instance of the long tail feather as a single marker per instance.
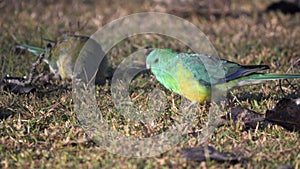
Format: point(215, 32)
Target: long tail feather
point(273, 76)
point(246, 70)
point(254, 79)
point(259, 78)
point(35, 50)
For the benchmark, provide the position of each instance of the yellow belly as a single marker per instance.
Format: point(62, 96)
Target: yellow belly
point(65, 66)
point(190, 86)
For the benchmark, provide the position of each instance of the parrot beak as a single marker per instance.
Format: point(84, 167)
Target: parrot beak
point(148, 66)
point(147, 50)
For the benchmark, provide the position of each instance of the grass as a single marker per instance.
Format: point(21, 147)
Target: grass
point(43, 130)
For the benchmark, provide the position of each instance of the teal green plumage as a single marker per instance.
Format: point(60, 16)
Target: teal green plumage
point(194, 75)
point(35, 50)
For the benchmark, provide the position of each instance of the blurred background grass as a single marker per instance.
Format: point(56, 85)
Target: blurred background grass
point(43, 132)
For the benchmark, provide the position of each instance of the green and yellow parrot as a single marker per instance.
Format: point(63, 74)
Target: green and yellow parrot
point(62, 55)
point(187, 75)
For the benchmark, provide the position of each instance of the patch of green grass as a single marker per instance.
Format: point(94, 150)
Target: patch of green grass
point(43, 130)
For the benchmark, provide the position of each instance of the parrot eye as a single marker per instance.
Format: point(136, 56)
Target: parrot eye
point(49, 45)
point(156, 60)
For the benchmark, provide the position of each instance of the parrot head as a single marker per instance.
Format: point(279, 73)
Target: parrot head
point(50, 58)
point(159, 58)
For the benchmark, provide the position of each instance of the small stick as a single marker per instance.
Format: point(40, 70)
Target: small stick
point(23, 81)
point(12, 80)
point(33, 69)
point(293, 64)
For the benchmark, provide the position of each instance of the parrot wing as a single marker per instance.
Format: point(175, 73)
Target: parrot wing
point(209, 70)
point(235, 70)
point(206, 69)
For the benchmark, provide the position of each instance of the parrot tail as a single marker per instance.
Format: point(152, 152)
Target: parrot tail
point(35, 50)
point(261, 77)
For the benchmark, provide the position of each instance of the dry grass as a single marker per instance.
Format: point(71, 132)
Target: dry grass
point(43, 131)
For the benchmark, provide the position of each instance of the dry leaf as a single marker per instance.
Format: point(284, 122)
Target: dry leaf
point(286, 114)
point(244, 116)
point(204, 153)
